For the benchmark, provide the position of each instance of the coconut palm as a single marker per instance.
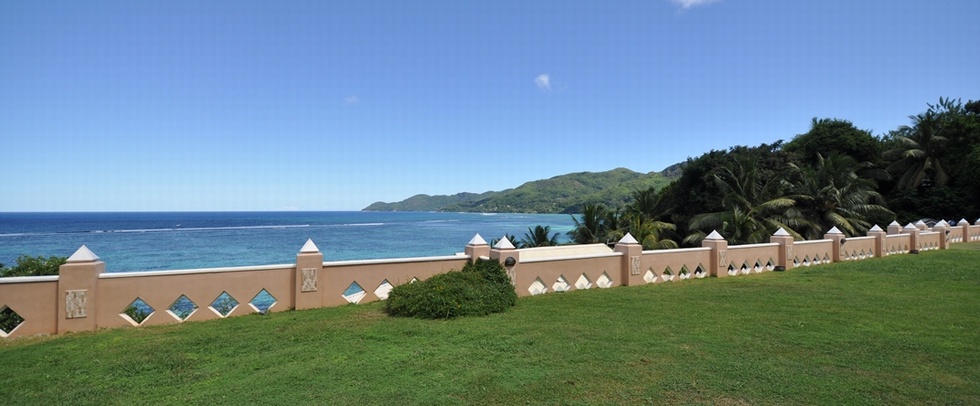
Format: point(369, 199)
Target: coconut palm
point(539, 237)
point(918, 158)
point(652, 234)
point(754, 208)
point(592, 228)
point(833, 195)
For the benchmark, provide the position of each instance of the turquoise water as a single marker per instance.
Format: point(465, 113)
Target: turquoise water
point(188, 240)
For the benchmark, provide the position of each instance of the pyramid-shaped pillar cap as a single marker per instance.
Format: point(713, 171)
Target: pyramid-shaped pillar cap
point(834, 230)
point(920, 223)
point(477, 240)
point(83, 254)
point(714, 236)
point(943, 224)
point(504, 244)
point(781, 233)
point(309, 247)
point(910, 226)
point(963, 222)
point(894, 223)
point(628, 239)
point(876, 228)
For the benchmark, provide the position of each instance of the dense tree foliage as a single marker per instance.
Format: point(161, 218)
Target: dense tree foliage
point(835, 175)
point(34, 266)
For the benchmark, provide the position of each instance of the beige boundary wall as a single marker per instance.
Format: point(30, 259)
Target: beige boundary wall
point(83, 297)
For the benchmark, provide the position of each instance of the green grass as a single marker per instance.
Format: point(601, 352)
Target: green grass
point(898, 330)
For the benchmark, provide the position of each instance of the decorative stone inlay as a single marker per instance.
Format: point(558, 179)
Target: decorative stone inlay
point(635, 265)
point(537, 287)
point(384, 289)
point(75, 304)
point(309, 280)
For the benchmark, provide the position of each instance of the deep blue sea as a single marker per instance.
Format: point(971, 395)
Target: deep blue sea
point(147, 241)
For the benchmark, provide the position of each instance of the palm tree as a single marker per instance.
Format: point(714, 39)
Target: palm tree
point(592, 228)
point(652, 234)
point(539, 237)
point(754, 208)
point(833, 195)
point(917, 160)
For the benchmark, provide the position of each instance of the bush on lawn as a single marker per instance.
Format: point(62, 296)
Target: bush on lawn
point(479, 289)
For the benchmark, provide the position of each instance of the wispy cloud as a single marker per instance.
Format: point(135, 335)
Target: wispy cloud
point(686, 4)
point(352, 100)
point(543, 81)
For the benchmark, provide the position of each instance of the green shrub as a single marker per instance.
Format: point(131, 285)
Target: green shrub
point(34, 266)
point(479, 289)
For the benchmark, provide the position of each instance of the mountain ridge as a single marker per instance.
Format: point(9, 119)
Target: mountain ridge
point(559, 194)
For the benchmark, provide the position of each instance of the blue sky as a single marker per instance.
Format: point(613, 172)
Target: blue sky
point(330, 105)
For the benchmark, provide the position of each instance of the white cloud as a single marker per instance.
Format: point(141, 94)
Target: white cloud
point(543, 81)
point(686, 4)
point(351, 100)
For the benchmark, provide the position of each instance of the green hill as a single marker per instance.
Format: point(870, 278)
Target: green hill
point(560, 194)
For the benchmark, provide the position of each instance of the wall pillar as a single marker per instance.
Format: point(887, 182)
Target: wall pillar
point(943, 229)
point(963, 226)
point(508, 255)
point(838, 239)
point(306, 280)
point(477, 248)
point(630, 262)
point(784, 260)
point(879, 236)
point(913, 232)
point(78, 283)
point(719, 254)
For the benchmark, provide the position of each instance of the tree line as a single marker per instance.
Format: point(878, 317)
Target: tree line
point(834, 175)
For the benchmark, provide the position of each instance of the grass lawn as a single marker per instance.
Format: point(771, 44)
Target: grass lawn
point(897, 330)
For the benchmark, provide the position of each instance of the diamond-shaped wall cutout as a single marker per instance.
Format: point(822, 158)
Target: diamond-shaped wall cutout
point(700, 272)
point(649, 277)
point(806, 260)
point(685, 273)
point(770, 265)
point(667, 275)
point(826, 258)
point(262, 301)
point(182, 308)
point(757, 268)
point(137, 312)
point(796, 261)
point(537, 287)
point(731, 270)
point(561, 284)
point(354, 293)
point(9, 321)
point(604, 281)
point(413, 280)
point(383, 290)
point(224, 304)
point(745, 268)
point(583, 282)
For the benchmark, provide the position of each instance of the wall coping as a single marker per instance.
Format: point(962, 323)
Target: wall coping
point(812, 242)
point(760, 245)
point(584, 256)
point(112, 275)
point(395, 260)
point(29, 279)
point(871, 237)
point(676, 250)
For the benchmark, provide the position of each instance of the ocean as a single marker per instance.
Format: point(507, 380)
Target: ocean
point(150, 241)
